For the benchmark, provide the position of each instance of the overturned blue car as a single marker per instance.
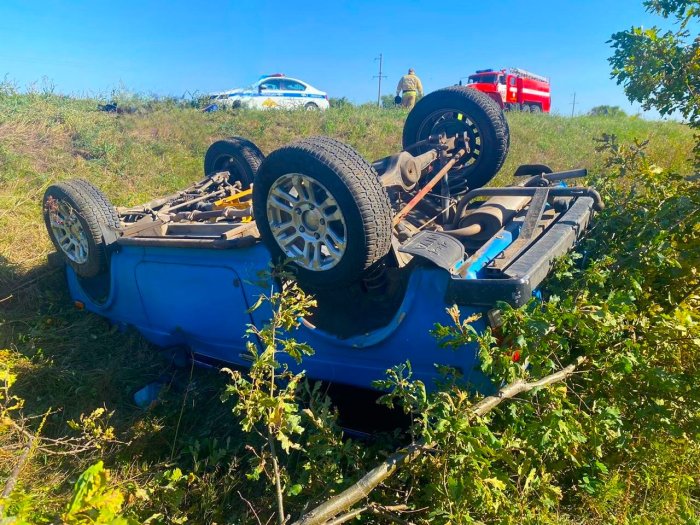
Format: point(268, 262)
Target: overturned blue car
point(384, 246)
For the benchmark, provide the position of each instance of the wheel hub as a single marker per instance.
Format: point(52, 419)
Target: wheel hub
point(452, 122)
point(311, 219)
point(306, 222)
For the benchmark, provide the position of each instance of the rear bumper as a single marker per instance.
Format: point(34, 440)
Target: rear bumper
point(530, 269)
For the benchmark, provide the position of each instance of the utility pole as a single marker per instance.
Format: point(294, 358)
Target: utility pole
point(380, 77)
point(573, 105)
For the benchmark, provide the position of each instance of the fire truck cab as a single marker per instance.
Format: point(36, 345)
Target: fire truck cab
point(514, 89)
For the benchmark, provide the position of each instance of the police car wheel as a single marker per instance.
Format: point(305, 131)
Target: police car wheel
point(81, 222)
point(319, 205)
point(460, 109)
point(311, 106)
point(240, 157)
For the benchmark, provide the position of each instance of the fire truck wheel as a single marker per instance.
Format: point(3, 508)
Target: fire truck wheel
point(240, 157)
point(318, 204)
point(525, 108)
point(534, 108)
point(459, 109)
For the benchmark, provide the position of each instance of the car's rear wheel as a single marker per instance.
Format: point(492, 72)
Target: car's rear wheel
point(81, 223)
point(318, 203)
point(240, 157)
point(310, 106)
point(457, 110)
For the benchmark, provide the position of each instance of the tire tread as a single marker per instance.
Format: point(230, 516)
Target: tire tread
point(361, 181)
point(483, 107)
point(250, 153)
point(101, 218)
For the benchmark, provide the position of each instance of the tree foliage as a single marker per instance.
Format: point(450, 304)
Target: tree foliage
point(267, 396)
point(339, 102)
point(661, 69)
point(622, 437)
point(607, 111)
point(389, 102)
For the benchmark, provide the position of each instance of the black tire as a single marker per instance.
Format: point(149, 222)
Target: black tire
point(97, 218)
point(310, 106)
point(482, 119)
point(525, 108)
point(534, 108)
point(352, 183)
point(507, 127)
point(240, 157)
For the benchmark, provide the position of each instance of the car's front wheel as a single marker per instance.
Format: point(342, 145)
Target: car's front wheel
point(319, 204)
point(81, 223)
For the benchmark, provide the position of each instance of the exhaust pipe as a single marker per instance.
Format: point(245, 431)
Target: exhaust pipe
point(482, 223)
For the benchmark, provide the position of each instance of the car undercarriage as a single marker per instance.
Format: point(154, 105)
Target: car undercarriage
point(381, 245)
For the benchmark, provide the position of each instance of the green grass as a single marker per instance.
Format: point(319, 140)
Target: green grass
point(70, 362)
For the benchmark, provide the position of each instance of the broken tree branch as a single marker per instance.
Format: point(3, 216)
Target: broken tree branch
point(14, 476)
point(367, 483)
point(347, 516)
point(379, 510)
point(24, 458)
point(386, 513)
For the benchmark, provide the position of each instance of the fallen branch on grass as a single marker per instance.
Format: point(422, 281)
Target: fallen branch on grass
point(29, 449)
point(360, 490)
point(14, 475)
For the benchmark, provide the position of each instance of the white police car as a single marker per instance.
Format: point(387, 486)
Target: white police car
point(273, 91)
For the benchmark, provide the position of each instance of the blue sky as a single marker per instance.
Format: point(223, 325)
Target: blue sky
point(172, 47)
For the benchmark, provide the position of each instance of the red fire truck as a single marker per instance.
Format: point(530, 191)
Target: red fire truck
point(514, 89)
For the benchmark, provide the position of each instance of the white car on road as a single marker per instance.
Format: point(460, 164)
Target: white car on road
point(273, 91)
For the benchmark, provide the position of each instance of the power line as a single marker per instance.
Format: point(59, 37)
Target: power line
point(380, 77)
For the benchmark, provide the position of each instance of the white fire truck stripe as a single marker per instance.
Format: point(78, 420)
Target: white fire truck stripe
point(536, 92)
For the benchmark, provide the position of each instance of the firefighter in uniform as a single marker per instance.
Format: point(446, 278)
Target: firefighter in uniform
point(410, 87)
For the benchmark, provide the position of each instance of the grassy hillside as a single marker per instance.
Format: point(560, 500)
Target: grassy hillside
point(69, 364)
point(134, 157)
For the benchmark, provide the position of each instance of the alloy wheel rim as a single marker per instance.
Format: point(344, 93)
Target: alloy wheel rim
point(68, 232)
point(306, 222)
